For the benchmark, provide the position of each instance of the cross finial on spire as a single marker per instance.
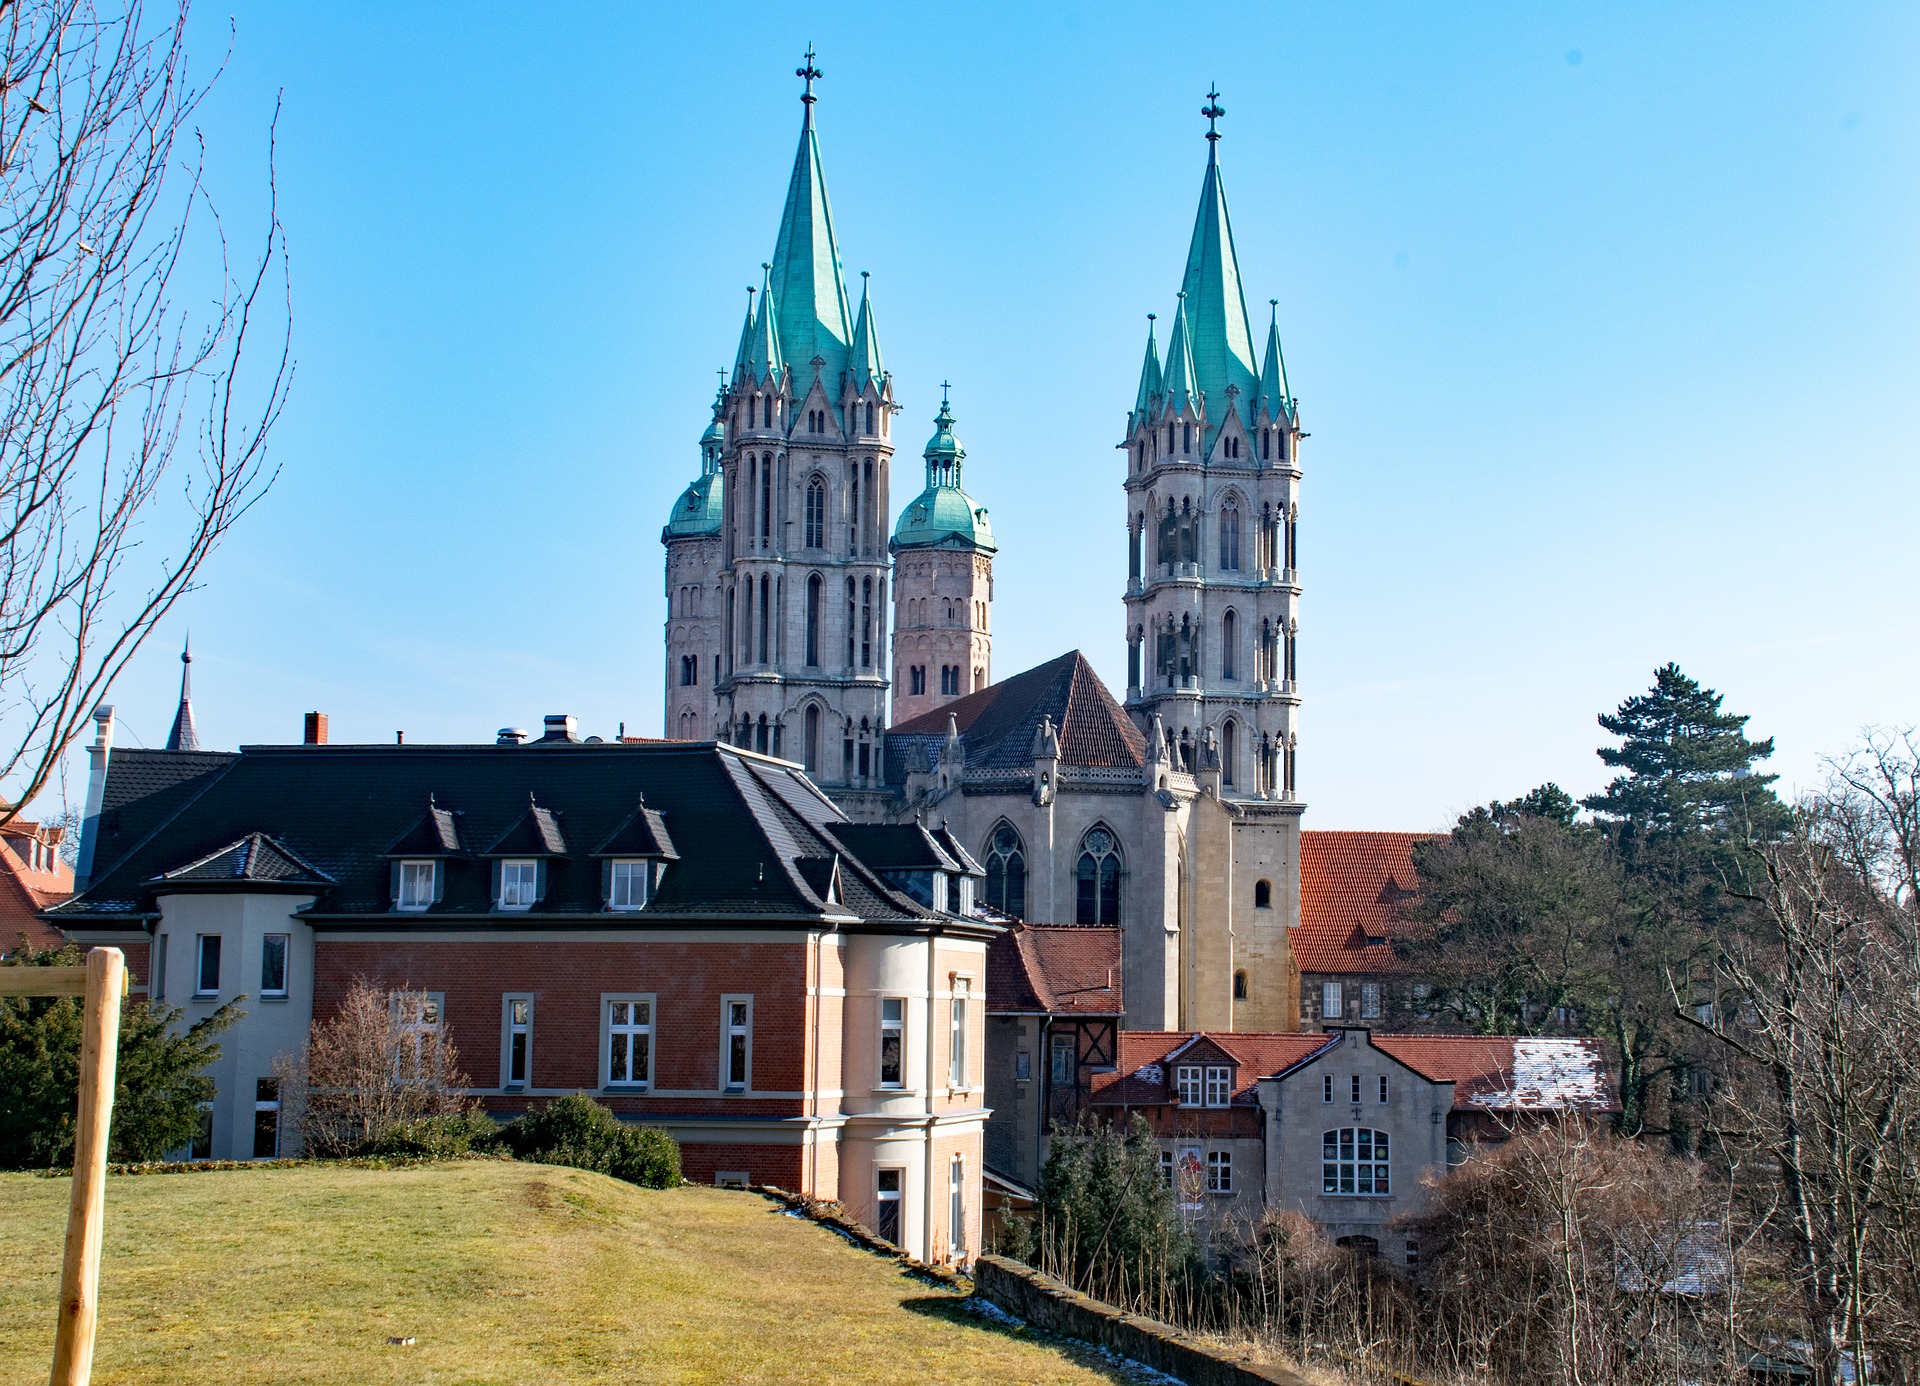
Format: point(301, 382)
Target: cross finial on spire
point(1213, 110)
point(944, 387)
point(811, 74)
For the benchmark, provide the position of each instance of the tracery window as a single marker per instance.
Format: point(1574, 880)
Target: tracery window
point(1007, 872)
point(816, 513)
point(1097, 878)
point(814, 596)
point(1230, 537)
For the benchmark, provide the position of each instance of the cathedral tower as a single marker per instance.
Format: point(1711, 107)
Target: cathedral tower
point(801, 563)
point(695, 596)
point(1212, 497)
point(942, 586)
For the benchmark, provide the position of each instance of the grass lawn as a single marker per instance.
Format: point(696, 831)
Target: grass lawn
point(501, 1272)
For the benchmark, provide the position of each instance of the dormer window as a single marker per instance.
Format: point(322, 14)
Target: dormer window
point(519, 884)
point(1197, 1085)
point(627, 884)
point(415, 888)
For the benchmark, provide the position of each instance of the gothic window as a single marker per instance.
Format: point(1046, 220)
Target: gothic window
point(746, 622)
point(810, 748)
point(760, 734)
point(1189, 533)
point(766, 499)
point(1186, 437)
point(853, 507)
point(917, 680)
point(866, 750)
point(1097, 878)
point(1229, 738)
point(1229, 639)
point(1292, 671)
point(1166, 546)
point(813, 620)
point(851, 633)
point(765, 616)
point(1007, 871)
point(866, 530)
point(816, 513)
point(979, 678)
point(1230, 537)
point(1133, 659)
point(1266, 444)
point(1136, 534)
point(1169, 438)
point(1293, 542)
point(866, 623)
point(869, 418)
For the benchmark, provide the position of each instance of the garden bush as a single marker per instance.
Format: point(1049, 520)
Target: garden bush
point(443, 1137)
point(578, 1131)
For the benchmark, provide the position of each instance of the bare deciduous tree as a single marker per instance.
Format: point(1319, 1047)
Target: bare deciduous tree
point(381, 1061)
point(133, 422)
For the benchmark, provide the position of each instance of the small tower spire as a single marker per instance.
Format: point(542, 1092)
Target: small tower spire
point(865, 355)
point(811, 74)
point(1213, 110)
point(1149, 377)
point(184, 736)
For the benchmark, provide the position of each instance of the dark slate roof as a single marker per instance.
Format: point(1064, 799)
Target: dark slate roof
point(998, 723)
point(254, 859)
point(898, 847)
point(340, 810)
point(643, 834)
point(437, 834)
point(537, 834)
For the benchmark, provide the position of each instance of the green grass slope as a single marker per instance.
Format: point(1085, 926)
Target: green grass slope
point(501, 1272)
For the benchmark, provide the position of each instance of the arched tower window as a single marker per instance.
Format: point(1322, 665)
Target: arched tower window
point(1263, 895)
point(1229, 642)
point(810, 746)
point(1229, 752)
point(866, 623)
point(1240, 986)
point(766, 499)
point(813, 623)
point(1007, 871)
point(1230, 537)
point(1097, 878)
point(766, 606)
point(817, 513)
point(851, 611)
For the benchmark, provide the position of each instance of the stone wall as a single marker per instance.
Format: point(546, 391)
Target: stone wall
point(1045, 1303)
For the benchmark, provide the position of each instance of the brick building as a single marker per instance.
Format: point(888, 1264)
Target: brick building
point(1352, 886)
point(33, 877)
point(692, 933)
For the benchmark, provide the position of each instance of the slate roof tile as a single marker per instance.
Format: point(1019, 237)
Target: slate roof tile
point(998, 722)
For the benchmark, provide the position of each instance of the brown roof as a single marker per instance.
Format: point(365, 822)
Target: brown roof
point(1351, 887)
point(1143, 1076)
point(1508, 1073)
point(999, 721)
point(1054, 970)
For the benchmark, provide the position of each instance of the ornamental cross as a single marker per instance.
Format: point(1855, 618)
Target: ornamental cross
point(810, 73)
point(1213, 110)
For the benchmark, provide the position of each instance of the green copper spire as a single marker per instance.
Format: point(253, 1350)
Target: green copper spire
point(1273, 371)
point(1220, 335)
point(808, 285)
point(1149, 377)
point(943, 515)
point(1181, 379)
point(764, 358)
point(867, 369)
point(741, 356)
point(701, 507)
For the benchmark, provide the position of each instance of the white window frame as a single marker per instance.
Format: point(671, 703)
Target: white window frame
point(894, 1026)
point(286, 966)
point(515, 1022)
point(729, 1030)
point(260, 1105)
point(1378, 1176)
point(897, 1196)
point(628, 871)
point(1333, 1001)
point(407, 895)
point(1219, 1085)
point(1189, 1084)
point(1220, 1171)
point(650, 1028)
point(417, 1013)
point(1166, 1167)
point(958, 1078)
point(1369, 1000)
point(200, 988)
point(519, 884)
point(957, 1207)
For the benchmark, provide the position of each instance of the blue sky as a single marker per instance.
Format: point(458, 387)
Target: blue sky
point(1605, 320)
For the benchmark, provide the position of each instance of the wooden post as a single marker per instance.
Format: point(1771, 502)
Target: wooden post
point(87, 1211)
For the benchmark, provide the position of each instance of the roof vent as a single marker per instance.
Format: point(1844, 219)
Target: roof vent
point(510, 736)
point(560, 727)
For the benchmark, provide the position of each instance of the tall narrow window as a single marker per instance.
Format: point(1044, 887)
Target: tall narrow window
point(1369, 1000)
point(1097, 878)
point(766, 500)
point(766, 614)
point(266, 1118)
point(1263, 895)
point(746, 622)
point(852, 612)
point(273, 965)
point(957, 1208)
point(1229, 753)
point(853, 509)
point(1007, 872)
point(866, 623)
point(816, 513)
point(1229, 642)
point(629, 1042)
point(811, 748)
point(1230, 537)
point(738, 1039)
point(207, 969)
point(893, 1041)
point(887, 1191)
point(157, 978)
point(869, 418)
point(1333, 1004)
point(1220, 1171)
point(516, 1041)
point(957, 1051)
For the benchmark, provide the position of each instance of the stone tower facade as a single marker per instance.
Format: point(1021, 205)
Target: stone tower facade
point(801, 563)
point(942, 586)
point(1213, 481)
point(696, 598)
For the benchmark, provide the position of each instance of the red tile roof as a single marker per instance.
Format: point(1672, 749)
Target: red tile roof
point(1351, 886)
point(24, 891)
point(1054, 970)
point(1143, 1075)
point(1505, 1073)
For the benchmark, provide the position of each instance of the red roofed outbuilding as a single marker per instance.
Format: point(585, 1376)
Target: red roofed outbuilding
point(1353, 887)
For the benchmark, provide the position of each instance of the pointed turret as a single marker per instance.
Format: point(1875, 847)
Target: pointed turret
point(740, 357)
point(867, 370)
point(764, 357)
point(1181, 382)
point(808, 283)
point(185, 736)
point(1273, 396)
point(1217, 326)
point(1149, 378)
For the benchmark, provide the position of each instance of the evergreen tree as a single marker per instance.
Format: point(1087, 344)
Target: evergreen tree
point(1108, 1222)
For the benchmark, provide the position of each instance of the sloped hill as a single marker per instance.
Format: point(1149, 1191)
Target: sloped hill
point(500, 1272)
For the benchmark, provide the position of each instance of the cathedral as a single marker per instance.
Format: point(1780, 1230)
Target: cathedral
point(800, 628)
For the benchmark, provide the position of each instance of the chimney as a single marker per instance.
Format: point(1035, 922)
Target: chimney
point(510, 736)
point(314, 733)
point(97, 754)
point(560, 727)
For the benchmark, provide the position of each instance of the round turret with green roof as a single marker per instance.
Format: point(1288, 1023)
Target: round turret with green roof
point(700, 508)
point(943, 515)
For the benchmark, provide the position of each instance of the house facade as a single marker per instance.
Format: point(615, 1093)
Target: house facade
point(692, 933)
point(34, 876)
point(1347, 1127)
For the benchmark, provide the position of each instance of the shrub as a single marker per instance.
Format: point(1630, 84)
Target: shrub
point(578, 1131)
point(442, 1137)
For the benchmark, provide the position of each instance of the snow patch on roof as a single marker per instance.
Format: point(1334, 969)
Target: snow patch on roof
point(1551, 1074)
point(1150, 1073)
